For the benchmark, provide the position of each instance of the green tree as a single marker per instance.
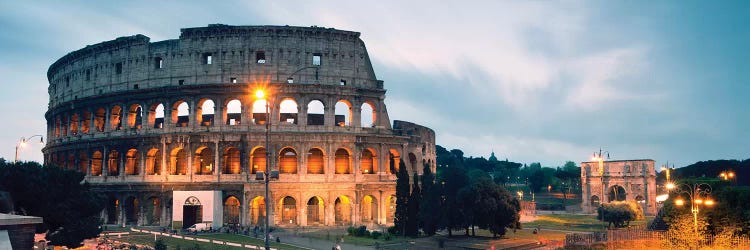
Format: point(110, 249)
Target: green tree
point(70, 210)
point(402, 198)
point(412, 219)
point(159, 245)
point(454, 178)
point(619, 213)
point(429, 206)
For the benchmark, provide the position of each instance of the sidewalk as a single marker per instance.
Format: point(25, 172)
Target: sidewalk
point(318, 244)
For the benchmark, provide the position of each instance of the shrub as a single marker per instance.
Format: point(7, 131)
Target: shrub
point(619, 213)
point(159, 245)
point(393, 230)
point(387, 236)
point(352, 231)
point(376, 234)
point(362, 232)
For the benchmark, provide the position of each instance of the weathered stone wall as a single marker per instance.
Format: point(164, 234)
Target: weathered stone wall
point(636, 177)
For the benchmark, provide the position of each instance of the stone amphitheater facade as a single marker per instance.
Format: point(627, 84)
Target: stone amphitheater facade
point(145, 120)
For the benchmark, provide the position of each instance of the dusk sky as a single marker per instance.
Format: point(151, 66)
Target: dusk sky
point(535, 81)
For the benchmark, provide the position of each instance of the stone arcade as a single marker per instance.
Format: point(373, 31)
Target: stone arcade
point(151, 122)
point(622, 180)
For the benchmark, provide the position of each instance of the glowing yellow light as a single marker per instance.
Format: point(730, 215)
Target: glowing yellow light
point(260, 94)
point(670, 186)
point(679, 202)
point(698, 201)
point(731, 174)
point(709, 202)
point(23, 143)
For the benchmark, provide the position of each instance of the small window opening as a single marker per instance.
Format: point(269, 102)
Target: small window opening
point(233, 80)
point(316, 59)
point(88, 75)
point(67, 81)
point(181, 82)
point(207, 58)
point(158, 63)
point(135, 86)
point(260, 57)
point(118, 68)
point(290, 80)
point(343, 82)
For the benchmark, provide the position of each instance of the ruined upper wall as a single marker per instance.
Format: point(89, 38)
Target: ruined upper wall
point(235, 54)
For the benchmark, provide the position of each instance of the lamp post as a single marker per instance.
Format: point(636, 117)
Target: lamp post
point(599, 157)
point(698, 195)
point(261, 95)
point(22, 143)
point(727, 175)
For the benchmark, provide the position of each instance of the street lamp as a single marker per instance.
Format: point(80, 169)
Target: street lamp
point(22, 143)
point(727, 175)
point(260, 94)
point(599, 157)
point(698, 195)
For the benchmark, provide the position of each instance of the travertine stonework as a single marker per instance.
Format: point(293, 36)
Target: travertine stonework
point(637, 178)
point(136, 117)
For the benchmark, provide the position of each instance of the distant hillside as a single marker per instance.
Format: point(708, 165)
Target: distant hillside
point(714, 168)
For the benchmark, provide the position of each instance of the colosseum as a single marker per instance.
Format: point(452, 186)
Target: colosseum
point(173, 133)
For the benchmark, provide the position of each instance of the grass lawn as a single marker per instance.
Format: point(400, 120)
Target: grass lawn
point(172, 243)
point(574, 222)
point(362, 241)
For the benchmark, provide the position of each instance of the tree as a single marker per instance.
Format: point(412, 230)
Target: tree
point(412, 211)
point(159, 245)
point(452, 217)
point(429, 206)
point(402, 198)
point(70, 210)
point(619, 213)
point(487, 205)
point(682, 233)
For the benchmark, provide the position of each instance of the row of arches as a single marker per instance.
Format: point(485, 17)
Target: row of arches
point(205, 160)
point(233, 113)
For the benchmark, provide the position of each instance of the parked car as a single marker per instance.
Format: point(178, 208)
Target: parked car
point(200, 227)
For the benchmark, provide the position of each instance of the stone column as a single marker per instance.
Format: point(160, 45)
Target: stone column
point(356, 115)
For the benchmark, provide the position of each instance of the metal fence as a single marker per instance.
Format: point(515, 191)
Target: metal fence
point(642, 235)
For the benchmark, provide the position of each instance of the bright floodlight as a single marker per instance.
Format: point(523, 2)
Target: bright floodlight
point(260, 94)
point(709, 202)
point(670, 186)
point(698, 201)
point(679, 202)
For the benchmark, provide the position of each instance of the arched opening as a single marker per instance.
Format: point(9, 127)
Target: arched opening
point(131, 211)
point(178, 162)
point(394, 161)
point(204, 114)
point(616, 193)
point(135, 114)
point(315, 113)
point(113, 211)
point(153, 162)
point(132, 161)
point(595, 201)
point(259, 112)
point(288, 112)
point(368, 115)
point(342, 211)
point(315, 161)
point(343, 165)
point(234, 113)
point(203, 162)
point(115, 117)
point(96, 163)
point(231, 160)
point(156, 115)
point(86, 122)
point(343, 113)
point(369, 209)
point(64, 127)
point(99, 117)
point(57, 127)
point(113, 163)
point(192, 212)
point(258, 211)
point(258, 159)
point(315, 211)
point(152, 211)
point(83, 161)
point(232, 211)
point(390, 210)
point(288, 211)
point(413, 163)
point(74, 124)
point(180, 114)
point(288, 161)
point(71, 161)
point(368, 161)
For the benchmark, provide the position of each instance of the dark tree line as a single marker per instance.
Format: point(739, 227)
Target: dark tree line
point(70, 210)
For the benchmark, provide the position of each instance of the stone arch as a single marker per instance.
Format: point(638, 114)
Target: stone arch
point(83, 162)
point(288, 161)
point(288, 210)
point(113, 163)
point(288, 110)
point(233, 112)
point(100, 117)
point(616, 193)
point(204, 112)
point(343, 161)
point(135, 114)
point(394, 161)
point(153, 161)
point(342, 211)
point(258, 210)
point(343, 113)
point(132, 162)
point(86, 122)
point(113, 210)
point(259, 111)
point(57, 126)
point(315, 112)
point(316, 161)
point(115, 117)
point(156, 115)
point(369, 209)
point(152, 211)
point(74, 124)
point(178, 162)
point(181, 114)
point(315, 211)
point(231, 161)
point(132, 210)
point(258, 160)
point(96, 163)
point(231, 211)
point(71, 164)
point(368, 115)
point(368, 161)
point(390, 209)
point(203, 161)
point(413, 163)
point(595, 201)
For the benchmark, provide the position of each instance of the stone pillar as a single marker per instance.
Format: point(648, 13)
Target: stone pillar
point(302, 113)
point(356, 115)
point(329, 113)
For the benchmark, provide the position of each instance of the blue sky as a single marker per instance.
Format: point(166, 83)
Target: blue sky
point(534, 81)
